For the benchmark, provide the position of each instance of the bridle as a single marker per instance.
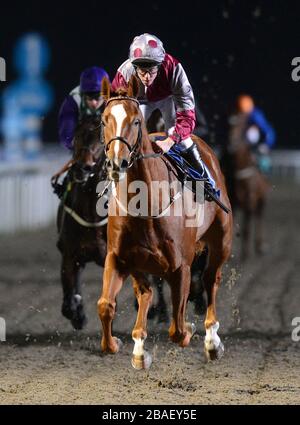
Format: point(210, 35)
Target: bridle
point(134, 151)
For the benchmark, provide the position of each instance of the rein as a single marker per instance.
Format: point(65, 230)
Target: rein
point(76, 216)
point(162, 214)
point(83, 222)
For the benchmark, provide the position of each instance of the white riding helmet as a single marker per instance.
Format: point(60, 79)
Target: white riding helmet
point(146, 49)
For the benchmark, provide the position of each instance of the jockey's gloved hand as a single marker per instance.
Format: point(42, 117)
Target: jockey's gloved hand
point(263, 149)
point(58, 188)
point(166, 144)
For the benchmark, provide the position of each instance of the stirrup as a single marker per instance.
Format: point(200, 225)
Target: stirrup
point(209, 188)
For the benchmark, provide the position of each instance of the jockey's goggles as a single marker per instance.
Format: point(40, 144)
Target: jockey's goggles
point(142, 71)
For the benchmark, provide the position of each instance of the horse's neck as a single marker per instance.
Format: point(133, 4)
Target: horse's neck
point(84, 198)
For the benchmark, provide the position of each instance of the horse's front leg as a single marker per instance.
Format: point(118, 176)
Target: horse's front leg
point(141, 359)
point(112, 284)
point(219, 253)
point(72, 307)
point(180, 331)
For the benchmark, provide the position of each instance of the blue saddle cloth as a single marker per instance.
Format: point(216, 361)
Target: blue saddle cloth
point(184, 168)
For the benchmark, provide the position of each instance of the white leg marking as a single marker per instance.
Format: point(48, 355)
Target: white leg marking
point(212, 339)
point(138, 349)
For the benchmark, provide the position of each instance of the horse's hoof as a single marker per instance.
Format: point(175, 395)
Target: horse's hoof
point(79, 319)
point(141, 362)
point(66, 311)
point(215, 354)
point(119, 344)
point(79, 322)
point(191, 328)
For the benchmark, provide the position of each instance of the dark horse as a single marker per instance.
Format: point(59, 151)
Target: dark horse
point(247, 186)
point(82, 233)
point(163, 244)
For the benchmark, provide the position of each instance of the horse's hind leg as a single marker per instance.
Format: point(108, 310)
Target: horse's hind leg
point(112, 284)
point(213, 346)
point(141, 359)
point(197, 285)
point(180, 331)
point(219, 250)
point(72, 307)
point(161, 306)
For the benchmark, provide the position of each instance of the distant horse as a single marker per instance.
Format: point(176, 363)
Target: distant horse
point(247, 186)
point(82, 233)
point(163, 245)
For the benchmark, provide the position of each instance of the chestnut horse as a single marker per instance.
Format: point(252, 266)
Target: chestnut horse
point(162, 245)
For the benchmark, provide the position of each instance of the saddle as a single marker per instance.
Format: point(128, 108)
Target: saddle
point(186, 174)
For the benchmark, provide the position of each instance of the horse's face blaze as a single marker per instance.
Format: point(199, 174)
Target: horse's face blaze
point(121, 122)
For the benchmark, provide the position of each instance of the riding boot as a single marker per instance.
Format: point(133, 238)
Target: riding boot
point(192, 156)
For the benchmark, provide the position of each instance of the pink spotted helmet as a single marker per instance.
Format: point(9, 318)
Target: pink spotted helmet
point(146, 50)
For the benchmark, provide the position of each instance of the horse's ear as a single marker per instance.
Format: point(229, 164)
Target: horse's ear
point(105, 88)
point(133, 87)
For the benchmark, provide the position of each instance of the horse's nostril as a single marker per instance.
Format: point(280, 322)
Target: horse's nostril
point(124, 163)
point(109, 163)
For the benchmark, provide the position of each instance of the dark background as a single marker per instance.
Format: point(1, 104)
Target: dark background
point(226, 47)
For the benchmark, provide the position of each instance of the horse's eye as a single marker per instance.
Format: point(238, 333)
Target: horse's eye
point(136, 122)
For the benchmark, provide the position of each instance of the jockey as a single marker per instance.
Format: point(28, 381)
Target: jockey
point(166, 87)
point(83, 100)
point(259, 133)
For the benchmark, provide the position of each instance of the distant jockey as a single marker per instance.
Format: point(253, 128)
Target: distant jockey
point(83, 100)
point(258, 133)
